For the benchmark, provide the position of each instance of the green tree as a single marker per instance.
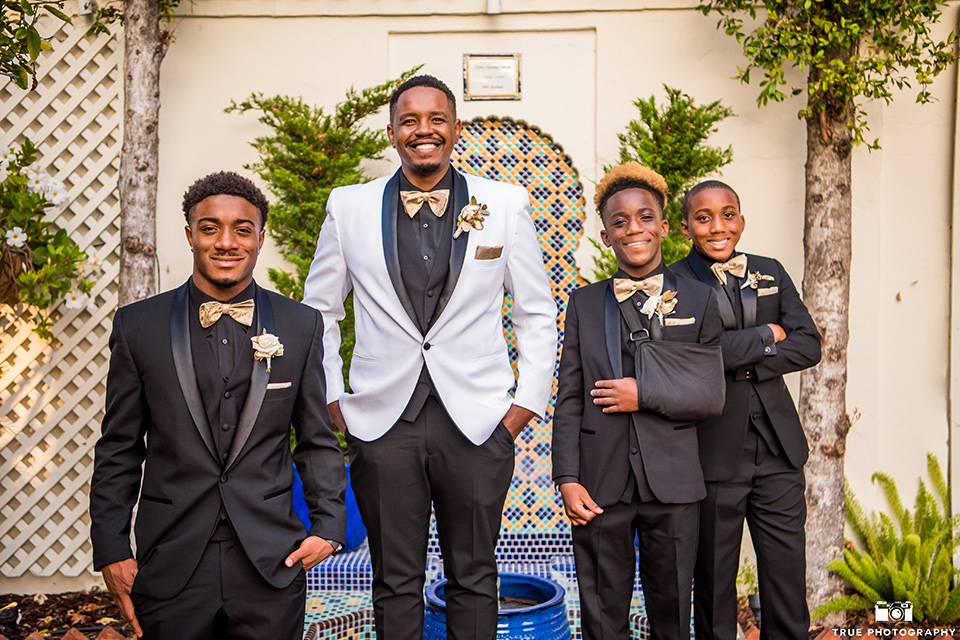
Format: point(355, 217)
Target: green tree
point(20, 42)
point(671, 140)
point(852, 51)
point(307, 154)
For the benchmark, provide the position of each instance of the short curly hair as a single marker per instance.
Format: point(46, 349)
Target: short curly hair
point(700, 188)
point(225, 183)
point(422, 81)
point(630, 175)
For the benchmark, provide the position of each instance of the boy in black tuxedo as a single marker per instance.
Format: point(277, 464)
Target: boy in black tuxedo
point(753, 453)
point(623, 469)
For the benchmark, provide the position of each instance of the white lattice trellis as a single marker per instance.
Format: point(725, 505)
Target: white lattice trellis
point(51, 398)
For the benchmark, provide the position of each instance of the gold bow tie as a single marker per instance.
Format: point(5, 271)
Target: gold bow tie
point(623, 288)
point(735, 266)
point(211, 311)
point(413, 200)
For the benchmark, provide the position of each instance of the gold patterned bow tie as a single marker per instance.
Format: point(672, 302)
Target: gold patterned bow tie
point(413, 200)
point(623, 288)
point(211, 311)
point(735, 266)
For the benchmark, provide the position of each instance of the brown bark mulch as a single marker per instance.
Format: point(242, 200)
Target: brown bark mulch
point(52, 616)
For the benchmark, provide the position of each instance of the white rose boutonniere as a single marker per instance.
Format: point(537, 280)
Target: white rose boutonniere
point(662, 305)
point(266, 346)
point(471, 217)
point(754, 278)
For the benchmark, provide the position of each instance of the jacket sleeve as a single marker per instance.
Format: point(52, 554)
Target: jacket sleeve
point(801, 348)
point(534, 313)
point(325, 289)
point(118, 454)
point(317, 452)
point(568, 413)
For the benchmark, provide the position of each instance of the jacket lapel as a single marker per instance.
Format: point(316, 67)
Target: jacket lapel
point(258, 383)
point(748, 299)
point(183, 362)
point(458, 249)
point(611, 329)
point(703, 273)
point(388, 229)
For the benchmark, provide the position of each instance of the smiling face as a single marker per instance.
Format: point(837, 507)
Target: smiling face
point(225, 237)
point(714, 223)
point(423, 131)
point(633, 226)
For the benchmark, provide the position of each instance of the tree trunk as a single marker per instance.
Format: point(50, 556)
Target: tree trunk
point(139, 159)
point(826, 290)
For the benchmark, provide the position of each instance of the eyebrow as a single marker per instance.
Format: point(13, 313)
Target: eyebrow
point(218, 221)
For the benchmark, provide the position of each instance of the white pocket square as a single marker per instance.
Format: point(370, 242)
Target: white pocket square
point(278, 385)
point(767, 291)
point(678, 322)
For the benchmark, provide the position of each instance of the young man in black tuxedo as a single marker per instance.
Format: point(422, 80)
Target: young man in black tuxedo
point(204, 383)
point(623, 469)
point(752, 455)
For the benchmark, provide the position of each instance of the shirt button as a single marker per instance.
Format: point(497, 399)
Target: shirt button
point(226, 379)
point(426, 257)
point(639, 304)
point(225, 427)
point(425, 225)
point(227, 395)
point(426, 346)
point(224, 341)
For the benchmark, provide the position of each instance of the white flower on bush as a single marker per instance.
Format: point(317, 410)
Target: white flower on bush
point(55, 193)
point(16, 237)
point(39, 182)
point(6, 156)
point(90, 267)
point(76, 299)
point(30, 171)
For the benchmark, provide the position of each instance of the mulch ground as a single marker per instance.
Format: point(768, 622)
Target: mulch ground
point(89, 612)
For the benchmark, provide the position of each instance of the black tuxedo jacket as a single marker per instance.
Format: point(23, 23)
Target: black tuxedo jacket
point(748, 364)
point(155, 418)
point(594, 446)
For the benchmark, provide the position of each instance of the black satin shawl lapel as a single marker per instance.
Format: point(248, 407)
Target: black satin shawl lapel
point(183, 363)
point(259, 378)
point(611, 331)
point(458, 249)
point(388, 230)
point(748, 298)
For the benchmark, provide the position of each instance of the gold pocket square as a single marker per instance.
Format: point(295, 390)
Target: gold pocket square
point(766, 291)
point(278, 385)
point(678, 322)
point(488, 253)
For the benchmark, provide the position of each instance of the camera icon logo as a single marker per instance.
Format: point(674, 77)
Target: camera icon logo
point(894, 611)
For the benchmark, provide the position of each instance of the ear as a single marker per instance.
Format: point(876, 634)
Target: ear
point(261, 237)
point(390, 136)
point(685, 228)
point(743, 223)
point(456, 130)
point(666, 228)
point(189, 233)
point(604, 238)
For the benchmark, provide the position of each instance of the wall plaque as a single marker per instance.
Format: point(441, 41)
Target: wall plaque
point(491, 76)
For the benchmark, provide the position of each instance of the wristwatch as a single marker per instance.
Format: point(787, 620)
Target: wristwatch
point(337, 546)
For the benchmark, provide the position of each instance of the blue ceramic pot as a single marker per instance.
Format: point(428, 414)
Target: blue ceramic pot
point(356, 532)
point(546, 620)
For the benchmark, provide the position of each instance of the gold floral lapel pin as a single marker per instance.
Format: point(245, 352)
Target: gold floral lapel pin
point(754, 278)
point(662, 305)
point(266, 346)
point(471, 217)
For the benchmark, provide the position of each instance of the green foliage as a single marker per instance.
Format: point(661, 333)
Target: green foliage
point(859, 50)
point(908, 556)
point(110, 13)
point(671, 140)
point(747, 581)
point(307, 154)
point(39, 264)
point(20, 42)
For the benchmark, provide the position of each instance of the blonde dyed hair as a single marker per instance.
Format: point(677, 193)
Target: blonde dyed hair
point(630, 175)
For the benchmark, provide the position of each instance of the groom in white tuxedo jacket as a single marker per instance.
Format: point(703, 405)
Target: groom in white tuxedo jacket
point(429, 253)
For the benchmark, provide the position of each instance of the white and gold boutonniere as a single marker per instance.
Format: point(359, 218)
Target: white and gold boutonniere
point(662, 305)
point(266, 346)
point(754, 278)
point(471, 217)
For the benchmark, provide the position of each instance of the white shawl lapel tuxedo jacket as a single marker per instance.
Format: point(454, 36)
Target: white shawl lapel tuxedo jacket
point(465, 350)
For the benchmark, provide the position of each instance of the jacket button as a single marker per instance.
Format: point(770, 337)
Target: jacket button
point(755, 416)
point(223, 478)
point(634, 451)
point(225, 427)
point(426, 346)
point(226, 395)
